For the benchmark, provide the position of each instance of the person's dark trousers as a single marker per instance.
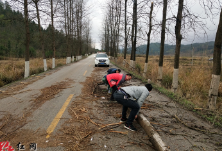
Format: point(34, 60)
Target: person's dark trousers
point(114, 88)
point(119, 97)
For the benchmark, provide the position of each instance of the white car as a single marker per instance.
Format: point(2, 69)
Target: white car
point(101, 59)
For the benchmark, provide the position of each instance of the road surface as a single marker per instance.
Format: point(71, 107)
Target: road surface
point(39, 113)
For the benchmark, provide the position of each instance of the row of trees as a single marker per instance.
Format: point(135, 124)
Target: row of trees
point(141, 20)
point(67, 33)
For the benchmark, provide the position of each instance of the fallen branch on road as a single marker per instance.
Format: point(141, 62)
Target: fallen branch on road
point(74, 113)
point(125, 133)
point(110, 125)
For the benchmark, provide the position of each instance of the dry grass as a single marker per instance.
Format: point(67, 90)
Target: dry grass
point(194, 80)
point(13, 69)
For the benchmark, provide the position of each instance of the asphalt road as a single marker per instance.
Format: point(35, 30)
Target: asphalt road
point(49, 116)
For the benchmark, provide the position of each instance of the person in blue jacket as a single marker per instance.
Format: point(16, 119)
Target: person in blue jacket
point(110, 71)
point(113, 70)
point(131, 97)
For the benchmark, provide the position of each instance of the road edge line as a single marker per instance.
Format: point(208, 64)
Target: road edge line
point(155, 137)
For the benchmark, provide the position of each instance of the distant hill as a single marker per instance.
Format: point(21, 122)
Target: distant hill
point(185, 50)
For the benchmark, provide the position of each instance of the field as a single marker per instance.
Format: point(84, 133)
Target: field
point(13, 69)
point(194, 78)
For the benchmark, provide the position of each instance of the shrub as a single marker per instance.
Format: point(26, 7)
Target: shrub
point(138, 67)
point(1, 83)
point(167, 80)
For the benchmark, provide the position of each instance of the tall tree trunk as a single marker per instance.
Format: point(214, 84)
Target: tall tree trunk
point(215, 81)
point(40, 35)
point(148, 41)
point(66, 30)
point(118, 26)
point(125, 48)
point(135, 26)
point(27, 39)
point(178, 44)
point(160, 71)
point(111, 32)
point(132, 38)
point(68, 57)
point(80, 27)
point(108, 40)
point(53, 37)
point(72, 32)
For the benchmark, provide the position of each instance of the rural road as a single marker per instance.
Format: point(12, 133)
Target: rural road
point(43, 114)
point(62, 109)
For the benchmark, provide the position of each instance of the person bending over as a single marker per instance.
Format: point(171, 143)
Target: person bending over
point(115, 80)
point(110, 71)
point(131, 97)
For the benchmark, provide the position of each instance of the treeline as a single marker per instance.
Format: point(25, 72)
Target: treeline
point(186, 50)
point(12, 37)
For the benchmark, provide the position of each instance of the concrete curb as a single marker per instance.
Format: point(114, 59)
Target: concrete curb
point(155, 137)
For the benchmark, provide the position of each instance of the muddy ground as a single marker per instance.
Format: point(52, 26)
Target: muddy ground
point(95, 122)
point(180, 129)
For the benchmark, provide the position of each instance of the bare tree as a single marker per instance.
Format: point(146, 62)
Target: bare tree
point(160, 71)
point(215, 81)
point(134, 34)
point(40, 34)
point(178, 44)
point(27, 39)
point(112, 28)
point(53, 35)
point(148, 41)
point(125, 30)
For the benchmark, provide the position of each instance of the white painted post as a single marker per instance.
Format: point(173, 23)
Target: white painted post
point(160, 74)
point(175, 80)
point(145, 70)
point(213, 92)
point(131, 64)
point(45, 64)
point(68, 60)
point(124, 62)
point(26, 69)
point(53, 63)
point(134, 64)
point(72, 58)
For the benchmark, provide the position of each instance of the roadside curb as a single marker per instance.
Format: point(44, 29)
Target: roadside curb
point(155, 137)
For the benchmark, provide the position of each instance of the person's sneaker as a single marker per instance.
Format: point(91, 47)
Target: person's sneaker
point(130, 127)
point(123, 120)
point(109, 92)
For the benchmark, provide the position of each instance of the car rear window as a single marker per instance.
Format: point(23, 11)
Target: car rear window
point(101, 56)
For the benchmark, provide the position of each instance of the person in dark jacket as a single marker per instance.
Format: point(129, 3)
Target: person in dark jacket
point(131, 97)
point(115, 80)
point(113, 70)
point(110, 71)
